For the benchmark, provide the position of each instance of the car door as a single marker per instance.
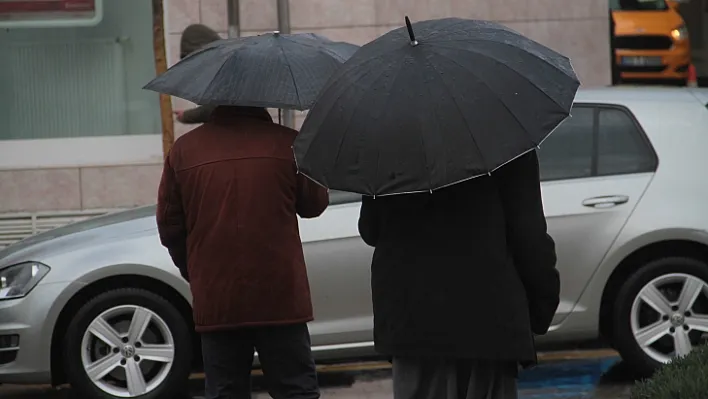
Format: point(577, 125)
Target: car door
point(338, 265)
point(594, 169)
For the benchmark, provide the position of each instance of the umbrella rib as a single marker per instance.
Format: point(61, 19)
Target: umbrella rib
point(206, 89)
point(430, 94)
point(454, 101)
point(292, 75)
point(388, 101)
point(358, 60)
point(170, 70)
point(341, 142)
point(331, 105)
point(332, 81)
point(508, 66)
point(442, 45)
point(178, 92)
point(445, 32)
point(322, 47)
point(492, 91)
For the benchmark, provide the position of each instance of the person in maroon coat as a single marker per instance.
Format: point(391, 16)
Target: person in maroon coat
point(227, 213)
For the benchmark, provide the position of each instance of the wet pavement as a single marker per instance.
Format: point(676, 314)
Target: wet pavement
point(592, 378)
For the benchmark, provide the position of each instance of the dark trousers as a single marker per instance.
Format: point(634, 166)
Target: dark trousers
point(283, 351)
point(427, 378)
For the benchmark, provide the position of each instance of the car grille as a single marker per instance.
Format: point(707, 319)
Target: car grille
point(7, 357)
point(643, 42)
point(9, 341)
point(659, 68)
point(9, 346)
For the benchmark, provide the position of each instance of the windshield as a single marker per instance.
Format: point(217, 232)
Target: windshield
point(638, 5)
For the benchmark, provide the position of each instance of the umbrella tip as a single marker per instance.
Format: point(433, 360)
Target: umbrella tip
point(410, 32)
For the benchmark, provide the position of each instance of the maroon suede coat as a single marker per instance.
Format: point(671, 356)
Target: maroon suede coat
point(227, 212)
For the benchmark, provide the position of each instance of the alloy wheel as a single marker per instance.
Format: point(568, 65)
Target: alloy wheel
point(127, 351)
point(669, 316)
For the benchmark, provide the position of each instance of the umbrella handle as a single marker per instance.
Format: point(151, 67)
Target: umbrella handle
point(410, 32)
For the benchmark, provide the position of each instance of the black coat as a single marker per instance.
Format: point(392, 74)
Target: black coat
point(464, 272)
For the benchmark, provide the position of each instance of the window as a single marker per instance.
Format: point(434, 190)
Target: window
point(80, 81)
point(596, 141)
point(622, 148)
point(568, 152)
point(337, 197)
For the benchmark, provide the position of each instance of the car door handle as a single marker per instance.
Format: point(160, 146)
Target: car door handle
point(607, 201)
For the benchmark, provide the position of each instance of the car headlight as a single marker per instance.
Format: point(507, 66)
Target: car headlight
point(680, 33)
point(18, 280)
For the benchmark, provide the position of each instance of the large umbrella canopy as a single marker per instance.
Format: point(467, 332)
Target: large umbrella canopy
point(271, 70)
point(435, 104)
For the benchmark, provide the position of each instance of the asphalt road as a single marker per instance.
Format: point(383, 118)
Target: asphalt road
point(596, 374)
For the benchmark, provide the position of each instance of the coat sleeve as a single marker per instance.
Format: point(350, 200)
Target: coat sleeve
point(532, 248)
point(369, 221)
point(199, 114)
point(171, 223)
point(312, 199)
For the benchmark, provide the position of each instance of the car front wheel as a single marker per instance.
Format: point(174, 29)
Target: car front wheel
point(662, 313)
point(128, 343)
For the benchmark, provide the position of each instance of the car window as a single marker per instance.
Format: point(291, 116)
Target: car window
point(568, 152)
point(337, 197)
point(638, 5)
point(622, 148)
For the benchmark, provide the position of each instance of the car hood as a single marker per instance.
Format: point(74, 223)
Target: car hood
point(110, 226)
point(646, 22)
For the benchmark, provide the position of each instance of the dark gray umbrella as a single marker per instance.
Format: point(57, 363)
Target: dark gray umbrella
point(432, 105)
point(271, 70)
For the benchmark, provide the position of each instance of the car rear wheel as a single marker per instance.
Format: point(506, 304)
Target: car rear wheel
point(662, 313)
point(128, 343)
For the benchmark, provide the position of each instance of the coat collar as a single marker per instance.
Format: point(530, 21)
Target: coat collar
point(232, 114)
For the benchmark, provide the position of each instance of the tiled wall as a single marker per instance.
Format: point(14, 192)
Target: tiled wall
point(78, 188)
point(577, 28)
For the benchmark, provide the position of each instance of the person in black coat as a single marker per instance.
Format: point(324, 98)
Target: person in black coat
point(462, 278)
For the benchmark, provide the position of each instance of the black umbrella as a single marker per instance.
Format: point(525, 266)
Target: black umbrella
point(435, 104)
point(271, 70)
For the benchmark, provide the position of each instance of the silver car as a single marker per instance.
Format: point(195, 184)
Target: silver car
point(99, 303)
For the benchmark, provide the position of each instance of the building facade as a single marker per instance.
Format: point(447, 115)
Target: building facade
point(78, 135)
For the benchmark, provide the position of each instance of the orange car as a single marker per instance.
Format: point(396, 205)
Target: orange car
point(651, 40)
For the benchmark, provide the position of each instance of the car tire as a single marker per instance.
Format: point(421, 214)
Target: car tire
point(154, 330)
point(632, 319)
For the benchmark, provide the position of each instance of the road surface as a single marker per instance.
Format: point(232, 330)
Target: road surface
point(596, 374)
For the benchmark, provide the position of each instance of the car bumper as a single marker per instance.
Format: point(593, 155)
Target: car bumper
point(674, 63)
point(26, 327)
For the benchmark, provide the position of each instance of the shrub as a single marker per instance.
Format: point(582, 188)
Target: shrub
point(683, 378)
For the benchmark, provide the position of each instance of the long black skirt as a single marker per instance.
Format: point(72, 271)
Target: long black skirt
point(426, 378)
